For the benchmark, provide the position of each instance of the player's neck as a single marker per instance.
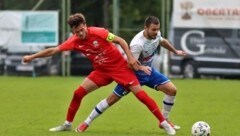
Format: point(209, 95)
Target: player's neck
point(146, 35)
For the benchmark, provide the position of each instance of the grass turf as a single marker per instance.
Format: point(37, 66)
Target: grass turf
point(30, 106)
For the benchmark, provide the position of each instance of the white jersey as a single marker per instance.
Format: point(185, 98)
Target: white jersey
point(144, 49)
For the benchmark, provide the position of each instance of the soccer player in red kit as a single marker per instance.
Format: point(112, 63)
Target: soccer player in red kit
point(109, 65)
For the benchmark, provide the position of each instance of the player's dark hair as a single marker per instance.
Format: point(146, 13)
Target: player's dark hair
point(76, 19)
point(151, 20)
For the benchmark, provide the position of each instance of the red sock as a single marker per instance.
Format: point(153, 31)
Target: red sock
point(75, 103)
point(151, 104)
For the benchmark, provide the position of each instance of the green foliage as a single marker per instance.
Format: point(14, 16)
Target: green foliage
point(132, 14)
point(29, 4)
point(30, 106)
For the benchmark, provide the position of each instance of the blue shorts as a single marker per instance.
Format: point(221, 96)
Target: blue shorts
point(152, 81)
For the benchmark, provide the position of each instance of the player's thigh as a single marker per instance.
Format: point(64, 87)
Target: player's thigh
point(156, 78)
point(125, 77)
point(161, 82)
point(95, 80)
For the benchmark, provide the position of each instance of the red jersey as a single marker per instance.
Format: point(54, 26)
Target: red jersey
point(102, 53)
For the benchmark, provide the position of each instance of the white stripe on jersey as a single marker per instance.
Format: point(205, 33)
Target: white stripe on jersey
point(144, 49)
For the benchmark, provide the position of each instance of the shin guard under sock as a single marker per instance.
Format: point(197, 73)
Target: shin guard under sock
point(151, 104)
point(75, 103)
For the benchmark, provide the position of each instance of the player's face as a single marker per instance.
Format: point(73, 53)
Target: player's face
point(80, 31)
point(152, 31)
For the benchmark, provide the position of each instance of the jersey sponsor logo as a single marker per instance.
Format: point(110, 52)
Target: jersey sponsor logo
point(95, 43)
point(110, 37)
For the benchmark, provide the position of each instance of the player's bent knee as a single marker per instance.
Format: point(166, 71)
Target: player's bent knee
point(171, 91)
point(80, 92)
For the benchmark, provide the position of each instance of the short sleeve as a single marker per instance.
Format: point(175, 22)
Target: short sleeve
point(160, 36)
point(103, 33)
point(68, 44)
point(136, 50)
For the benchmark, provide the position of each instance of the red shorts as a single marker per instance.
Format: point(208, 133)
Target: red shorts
point(124, 76)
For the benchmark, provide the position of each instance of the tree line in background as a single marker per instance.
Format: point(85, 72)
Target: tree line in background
point(98, 12)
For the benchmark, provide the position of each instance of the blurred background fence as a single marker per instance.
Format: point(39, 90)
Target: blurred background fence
point(209, 31)
point(124, 18)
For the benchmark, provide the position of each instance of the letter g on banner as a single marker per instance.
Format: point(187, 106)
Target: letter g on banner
point(201, 46)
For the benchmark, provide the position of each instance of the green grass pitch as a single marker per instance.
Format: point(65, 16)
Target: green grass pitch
point(30, 106)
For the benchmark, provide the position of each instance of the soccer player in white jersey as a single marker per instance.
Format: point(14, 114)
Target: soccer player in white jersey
point(143, 47)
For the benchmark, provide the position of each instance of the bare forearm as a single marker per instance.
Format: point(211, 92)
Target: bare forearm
point(133, 63)
point(167, 45)
point(45, 53)
point(125, 48)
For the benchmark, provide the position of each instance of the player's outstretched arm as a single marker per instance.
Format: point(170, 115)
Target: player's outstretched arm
point(44, 53)
point(167, 45)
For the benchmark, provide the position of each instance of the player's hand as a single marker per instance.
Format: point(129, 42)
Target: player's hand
point(181, 53)
point(146, 69)
point(26, 59)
